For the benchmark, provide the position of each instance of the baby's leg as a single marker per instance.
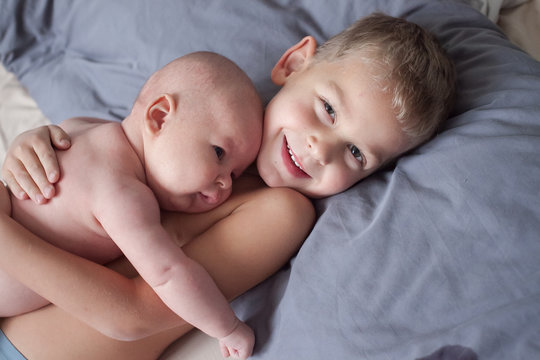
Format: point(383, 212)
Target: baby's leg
point(17, 299)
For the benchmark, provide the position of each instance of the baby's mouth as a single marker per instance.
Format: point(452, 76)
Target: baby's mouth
point(209, 197)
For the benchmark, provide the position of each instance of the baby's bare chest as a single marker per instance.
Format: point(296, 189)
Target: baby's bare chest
point(69, 219)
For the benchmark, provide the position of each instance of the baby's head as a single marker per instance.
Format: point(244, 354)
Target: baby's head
point(201, 125)
point(351, 106)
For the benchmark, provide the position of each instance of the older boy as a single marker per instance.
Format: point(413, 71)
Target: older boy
point(344, 110)
point(195, 125)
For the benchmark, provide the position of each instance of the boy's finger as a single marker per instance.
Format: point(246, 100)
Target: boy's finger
point(34, 180)
point(28, 173)
point(14, 186)
point(59, 138)
point(48, 164)
point(20, 183)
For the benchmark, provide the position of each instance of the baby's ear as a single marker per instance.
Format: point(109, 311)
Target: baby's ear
point(158, 112)
point(295, 59)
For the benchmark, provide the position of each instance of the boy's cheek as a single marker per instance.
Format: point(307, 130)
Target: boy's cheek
point(336, 182)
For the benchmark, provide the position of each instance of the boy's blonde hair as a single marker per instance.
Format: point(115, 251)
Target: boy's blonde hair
point(408, 62)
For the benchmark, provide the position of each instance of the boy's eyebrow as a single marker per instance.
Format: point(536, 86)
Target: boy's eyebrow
point(338, 94)
point(375, 155)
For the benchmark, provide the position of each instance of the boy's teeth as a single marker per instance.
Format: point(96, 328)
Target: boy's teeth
point(293, 159)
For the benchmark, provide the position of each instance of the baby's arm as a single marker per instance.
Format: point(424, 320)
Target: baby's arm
point(97, 295)
point(129, 213)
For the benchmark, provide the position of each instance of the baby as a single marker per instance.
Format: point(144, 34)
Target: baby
point(195, 126)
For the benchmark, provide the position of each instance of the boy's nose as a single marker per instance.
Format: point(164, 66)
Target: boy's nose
point(319, 149)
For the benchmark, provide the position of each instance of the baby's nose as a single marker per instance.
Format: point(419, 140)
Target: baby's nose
point(224, 181)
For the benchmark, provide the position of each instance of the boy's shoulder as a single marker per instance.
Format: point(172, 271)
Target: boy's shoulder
point(278, 205)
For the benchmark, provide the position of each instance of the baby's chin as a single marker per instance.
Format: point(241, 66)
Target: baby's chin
point(188, 204)
point(200, 207)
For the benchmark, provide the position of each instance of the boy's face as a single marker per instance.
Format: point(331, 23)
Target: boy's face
point(215, 136)
point(328, 127)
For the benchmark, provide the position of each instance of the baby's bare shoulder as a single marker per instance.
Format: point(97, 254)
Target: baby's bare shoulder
point(100, 157)
point(97, 141)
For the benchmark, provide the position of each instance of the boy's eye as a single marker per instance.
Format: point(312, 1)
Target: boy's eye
point(219, 152)
point(329, 110)
point(356, 152)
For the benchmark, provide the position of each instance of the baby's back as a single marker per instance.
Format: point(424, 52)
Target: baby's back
point(99, 150)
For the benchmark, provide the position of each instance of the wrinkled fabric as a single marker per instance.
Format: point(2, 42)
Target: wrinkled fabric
point(437, 254)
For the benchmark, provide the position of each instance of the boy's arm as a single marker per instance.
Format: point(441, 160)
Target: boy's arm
point(30, 168)
point(116, 306)
point(130, 215)
point(237, 256)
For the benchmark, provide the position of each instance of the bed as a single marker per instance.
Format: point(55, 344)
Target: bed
point(435, 258)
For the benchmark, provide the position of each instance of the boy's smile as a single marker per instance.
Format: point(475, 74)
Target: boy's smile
point(292, 163)
point(329, 126)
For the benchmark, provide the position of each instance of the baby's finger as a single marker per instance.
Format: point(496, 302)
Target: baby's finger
point(238, 354)
point(224, 350)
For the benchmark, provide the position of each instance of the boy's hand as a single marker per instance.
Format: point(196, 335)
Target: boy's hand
point(239, 343)
point(31, 168)
point(5, 200)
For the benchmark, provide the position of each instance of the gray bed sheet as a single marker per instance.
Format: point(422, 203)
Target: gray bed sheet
point(437, 257)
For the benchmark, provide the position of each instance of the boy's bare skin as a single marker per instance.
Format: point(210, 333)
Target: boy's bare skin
point(328, 127)
point(237, 257)
point(321, 135)
point(179, 152)
point(332, 118)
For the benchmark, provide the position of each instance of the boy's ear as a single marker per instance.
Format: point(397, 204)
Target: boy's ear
point(294, 60)
point(158, 112)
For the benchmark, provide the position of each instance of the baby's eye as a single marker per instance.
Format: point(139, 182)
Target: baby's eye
point(219, 152)
point(356, 152)
point(329, 110)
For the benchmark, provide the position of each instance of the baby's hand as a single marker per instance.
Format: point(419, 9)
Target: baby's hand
point(31, 168)
point(239, 343)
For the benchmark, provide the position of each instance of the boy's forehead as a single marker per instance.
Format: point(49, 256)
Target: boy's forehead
point(348, 79)
point(349, 68)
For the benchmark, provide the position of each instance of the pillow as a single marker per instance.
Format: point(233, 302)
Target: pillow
point(433, 257)
point(94, 57)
